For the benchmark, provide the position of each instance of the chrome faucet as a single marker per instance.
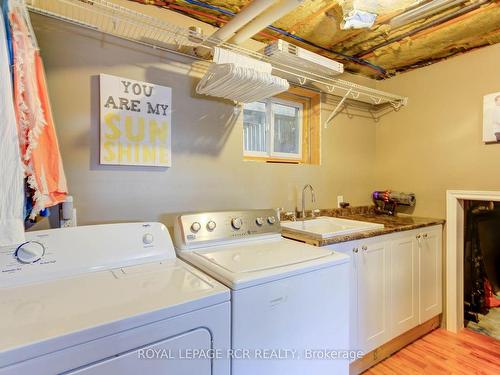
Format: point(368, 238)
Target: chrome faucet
point(313, 198)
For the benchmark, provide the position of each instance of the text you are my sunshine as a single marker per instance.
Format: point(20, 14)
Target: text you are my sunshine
point(134, 131)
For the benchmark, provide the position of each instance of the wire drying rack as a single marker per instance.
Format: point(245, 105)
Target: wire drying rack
point(122, 22)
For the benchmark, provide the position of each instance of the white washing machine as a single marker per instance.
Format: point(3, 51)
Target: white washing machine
point(109, 299)
point(289, 300)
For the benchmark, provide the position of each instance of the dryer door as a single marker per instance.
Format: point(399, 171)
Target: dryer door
point(164, 357)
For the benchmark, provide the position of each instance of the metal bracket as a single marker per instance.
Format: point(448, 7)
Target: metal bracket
point(346, 109)
point(373, 115)
point(396, 106)
point(337, 108)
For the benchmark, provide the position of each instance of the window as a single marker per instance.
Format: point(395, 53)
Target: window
point(273, 128)
point(281, 129)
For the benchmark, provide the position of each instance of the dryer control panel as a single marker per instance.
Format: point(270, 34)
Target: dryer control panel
point(192, 230)
point(55, 253)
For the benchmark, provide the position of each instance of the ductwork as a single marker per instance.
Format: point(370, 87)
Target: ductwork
point(426, 10)
point(263, 20)
point(246, 15)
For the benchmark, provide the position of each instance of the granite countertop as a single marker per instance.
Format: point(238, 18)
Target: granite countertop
point(392, 224)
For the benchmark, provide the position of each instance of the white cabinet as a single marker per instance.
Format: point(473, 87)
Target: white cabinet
point(396, 284)
point(431, 281)
point(351, 249)
point(369, 292)
point(373, 262)
point(404, 314)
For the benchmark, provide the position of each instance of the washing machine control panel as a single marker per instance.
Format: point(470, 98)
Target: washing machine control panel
point(228, 225)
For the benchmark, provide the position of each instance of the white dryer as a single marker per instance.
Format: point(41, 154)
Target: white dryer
point(109, 299)
point(289, 300)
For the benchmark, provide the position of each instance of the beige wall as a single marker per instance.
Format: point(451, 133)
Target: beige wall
point(430, 146)
point(208, 172)
point(435, 143)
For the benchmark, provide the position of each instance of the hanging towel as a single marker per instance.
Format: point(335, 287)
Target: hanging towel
point(37, 136)
point(11, 168)
point(48, 171)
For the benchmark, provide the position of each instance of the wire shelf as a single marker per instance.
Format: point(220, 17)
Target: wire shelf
point(119, 21)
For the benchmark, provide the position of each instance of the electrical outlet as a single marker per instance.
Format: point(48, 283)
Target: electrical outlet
point(340, 199)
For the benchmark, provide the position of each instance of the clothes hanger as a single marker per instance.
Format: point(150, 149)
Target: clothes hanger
point(243, 79)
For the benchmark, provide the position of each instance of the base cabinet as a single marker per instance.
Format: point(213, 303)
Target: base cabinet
point(396, 284)
point(431, 278)
point(373, 262)
point(403, 270)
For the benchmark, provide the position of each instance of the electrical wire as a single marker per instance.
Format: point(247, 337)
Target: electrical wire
point(354, 59)
point(169, 4)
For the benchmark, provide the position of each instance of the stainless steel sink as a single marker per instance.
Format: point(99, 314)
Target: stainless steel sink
point(326, 227)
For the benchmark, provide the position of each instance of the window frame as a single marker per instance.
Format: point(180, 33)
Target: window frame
point(310, 132)
point(270, 132)
point(258, 154)
point(286, 155)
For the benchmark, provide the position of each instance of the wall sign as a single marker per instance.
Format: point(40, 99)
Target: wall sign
point(135, 122)
point(491, 118)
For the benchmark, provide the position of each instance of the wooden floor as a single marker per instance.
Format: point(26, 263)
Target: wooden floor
point(443, 352)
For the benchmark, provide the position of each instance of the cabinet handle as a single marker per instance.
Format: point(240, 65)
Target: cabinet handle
point(355, 250)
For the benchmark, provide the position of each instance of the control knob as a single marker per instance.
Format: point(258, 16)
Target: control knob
point(147, 239)
point(271, 220)
point(211, 225)
point(30, 252)
point(237, 223)
point(259, 221)
point(195, 227)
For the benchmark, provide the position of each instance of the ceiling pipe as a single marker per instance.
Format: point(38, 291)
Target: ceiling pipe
point(426, 10)
point(263, 20)
point(246, 15)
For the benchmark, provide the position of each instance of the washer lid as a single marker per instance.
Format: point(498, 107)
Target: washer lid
point(250, 263)
point(261, 256)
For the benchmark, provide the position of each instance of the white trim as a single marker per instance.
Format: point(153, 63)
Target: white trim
point(260, 154)
point(253, 153)
point(287, 155)
point(455, 252)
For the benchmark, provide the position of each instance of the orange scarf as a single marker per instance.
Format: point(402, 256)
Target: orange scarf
point(37, 136)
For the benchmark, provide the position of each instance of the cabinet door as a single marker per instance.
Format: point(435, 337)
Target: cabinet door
point(373, 261)
point(431, 282)
point(404, 284)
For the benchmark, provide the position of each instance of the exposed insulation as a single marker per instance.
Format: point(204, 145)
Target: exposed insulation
point(318, 22)
point(445, 40)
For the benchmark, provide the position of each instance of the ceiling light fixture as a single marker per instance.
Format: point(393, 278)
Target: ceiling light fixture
point(426, 10)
